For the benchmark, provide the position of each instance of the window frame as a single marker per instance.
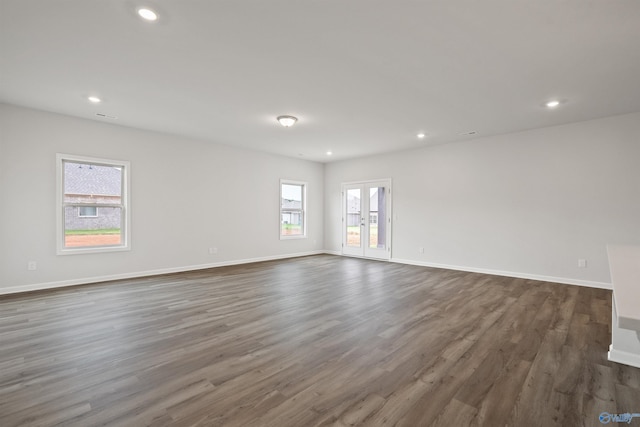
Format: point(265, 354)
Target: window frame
point(302, 210)
point(61, 205)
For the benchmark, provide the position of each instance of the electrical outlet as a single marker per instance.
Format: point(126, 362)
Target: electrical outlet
point(421, 250)
point(213, 251)
point(582, 263)
point(32, 266)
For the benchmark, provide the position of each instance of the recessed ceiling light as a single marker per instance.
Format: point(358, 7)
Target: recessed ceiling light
point(553, 104)
point(94, 99)
point(329, 153)
point(147, 14)
point(287, 121)
point(421, 135)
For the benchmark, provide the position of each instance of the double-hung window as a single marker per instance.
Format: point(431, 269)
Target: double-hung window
point(92, 204)
point(293, 221)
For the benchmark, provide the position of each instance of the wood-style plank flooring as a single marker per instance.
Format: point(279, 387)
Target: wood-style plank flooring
point(320, 340)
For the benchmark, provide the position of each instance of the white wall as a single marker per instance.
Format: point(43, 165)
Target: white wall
point(528, 204)
point(187, 196)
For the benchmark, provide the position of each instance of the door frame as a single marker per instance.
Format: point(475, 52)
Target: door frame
point(364, 233)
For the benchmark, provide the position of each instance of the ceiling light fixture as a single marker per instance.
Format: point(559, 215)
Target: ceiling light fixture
point(94, 99)
point(287, 121)
point(421, 135)
point(552, 104)
point(329, 153)
point(147, 14)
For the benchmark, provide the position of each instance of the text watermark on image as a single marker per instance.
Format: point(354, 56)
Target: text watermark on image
point(606, 418)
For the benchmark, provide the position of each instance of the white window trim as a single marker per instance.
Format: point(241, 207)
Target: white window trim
point(304, 210)
point(126, 215)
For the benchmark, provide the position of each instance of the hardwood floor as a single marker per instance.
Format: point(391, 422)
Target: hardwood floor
point(320, 340)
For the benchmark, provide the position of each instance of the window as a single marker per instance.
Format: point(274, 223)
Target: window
point(292, 209)
point(87, 211)
point(92, 202)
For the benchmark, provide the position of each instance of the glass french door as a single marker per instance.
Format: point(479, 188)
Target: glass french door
point(366, 219)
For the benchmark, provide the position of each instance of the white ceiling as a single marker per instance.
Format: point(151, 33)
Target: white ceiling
point(362, 76)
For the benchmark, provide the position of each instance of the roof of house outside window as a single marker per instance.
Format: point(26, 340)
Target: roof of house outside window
point(291, 204)
point(81, 178)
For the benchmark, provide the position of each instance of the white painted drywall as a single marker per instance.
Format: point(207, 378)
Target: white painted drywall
point(528, 204)
point(186, 196)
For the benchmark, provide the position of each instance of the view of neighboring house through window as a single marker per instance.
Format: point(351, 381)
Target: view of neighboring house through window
point(92, 204)
point(292, 209)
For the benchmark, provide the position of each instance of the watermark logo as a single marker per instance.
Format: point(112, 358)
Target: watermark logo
point(606, 418)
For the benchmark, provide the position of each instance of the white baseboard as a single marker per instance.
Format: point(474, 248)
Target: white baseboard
point(541, 278)
point(132, 275)
point(332, 252)
point(563, 280)
point(624, 357)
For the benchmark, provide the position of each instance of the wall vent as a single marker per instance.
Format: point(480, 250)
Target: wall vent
point(106, 116)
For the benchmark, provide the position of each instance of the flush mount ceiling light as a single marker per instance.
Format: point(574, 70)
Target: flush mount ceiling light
point(287, 121)
point(421, 135)
point(94, 99)
point(329, 153)
point(147, 14)
point(552, 104)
